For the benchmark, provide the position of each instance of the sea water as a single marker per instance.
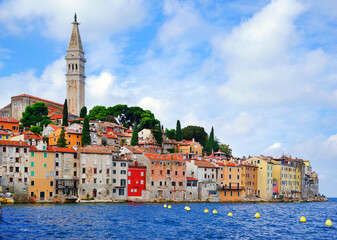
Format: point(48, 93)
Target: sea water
point(153, 221)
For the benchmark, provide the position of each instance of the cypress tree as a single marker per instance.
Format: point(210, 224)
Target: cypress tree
point(86, 140)
point(134, 138)
point(83, 112)
point(178, 131)
point(62, 141)
point(211, 141)
point(65, 113)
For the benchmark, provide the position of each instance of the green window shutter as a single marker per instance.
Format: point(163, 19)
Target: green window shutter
point(45, 155)
point(32, 154)
point(32, 164)
point(45, 165)
point(32, 173)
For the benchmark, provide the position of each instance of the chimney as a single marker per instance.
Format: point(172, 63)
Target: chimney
point(192, 139)
point(20, 142)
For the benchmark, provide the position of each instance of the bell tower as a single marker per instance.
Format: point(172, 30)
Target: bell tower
point(75, 71)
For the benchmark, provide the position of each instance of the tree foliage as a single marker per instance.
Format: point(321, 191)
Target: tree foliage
point(178, 132)
point(36, 129)
point(83, 112)
point(210, 145)
point(37, 114)
point(62, 141)
point(158, 135)
point(124, 115)
point(171, 134)
point(196, 132)
point(226, 149)
point(65, 113)
point(86, 139)
point(134, 138)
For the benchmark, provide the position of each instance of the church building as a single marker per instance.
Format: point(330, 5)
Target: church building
point(75, 84)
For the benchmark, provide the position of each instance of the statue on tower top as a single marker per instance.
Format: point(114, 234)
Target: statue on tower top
point(75, 18)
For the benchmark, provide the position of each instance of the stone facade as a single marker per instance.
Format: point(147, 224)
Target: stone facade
point(119, 179)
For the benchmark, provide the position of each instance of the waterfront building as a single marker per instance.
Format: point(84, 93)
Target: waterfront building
point(41, 167)
point(66, 174)
point(264, 176)
point(249, 176)
point(136, 181)
point(119, 179)
point(208, 177)
point(165, 177)
point(9, 125)
point(192, 193)
point(232, 182)
point(95, 173)
point(14, 163)
point(309, 185)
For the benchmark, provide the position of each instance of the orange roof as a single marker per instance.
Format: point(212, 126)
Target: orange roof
point(134, 149)
point(14, 143)
point(4, 133)
point(110, 136)
point(204, 164)
point(34, 149)
point(191, 179)
point(67, 150)
point(232, 164)
point(12, 120)
point(163, 157)
point(72, 131)
point(54, 126)
point(26, 95)
point(57, 116)
point(94, 149)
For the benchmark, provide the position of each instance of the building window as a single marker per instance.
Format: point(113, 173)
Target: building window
point(50, 194)
point(123, 172)
point(152, 183)
point(32, 183)
point(123, 164)
point(181, 184)
point(168, 171)
point(31, 194)
point(75, 173)
point(238, 193)
point(230, 176)
point(113, 180)
point(152, 172)
point(45, 165)
point(161, 172)
point(51, 183)
point(142, 173)
point(183, 173)
point(56, 173)
point(32, 164)
point(123, 182)
point(95, 170)
point(11, 179)
point(114, 164)
point(4, 149)
point(113, 171)
point(17, 159)
point(45, 155)
point(83, 180)
point(231, 193)
point(176, 173)
point(114, 190)
point(121, 192)
point(238, 177)
point(17, 169)
point(141, 181)
point(95, 180)
point(83, 170)
point(56, 164)
point(32, 173)
point(173, 183)
point(17, 150)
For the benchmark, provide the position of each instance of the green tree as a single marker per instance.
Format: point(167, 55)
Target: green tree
point(134, 138)
point(98, 113)
point(178, 132)
point(171, 134)
point(158, 135)
point(196, 132)
point(226, 149)
point(211, 142)
point(65, 113)
point(36, 129)
point(62, 141)
point(86, 139)
point(37, 114)
point(83, 112)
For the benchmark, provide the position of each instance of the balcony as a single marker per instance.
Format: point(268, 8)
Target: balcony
point(232, 187)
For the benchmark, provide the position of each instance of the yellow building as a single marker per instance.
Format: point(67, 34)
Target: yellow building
point(232, 183)
point(189, 146)
point(264, 176)
point(41, 166)
point(73, 137)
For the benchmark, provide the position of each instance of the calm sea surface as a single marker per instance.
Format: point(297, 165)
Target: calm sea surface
point(152, 221)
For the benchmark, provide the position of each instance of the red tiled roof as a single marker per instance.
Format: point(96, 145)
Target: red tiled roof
point(163, 157)
point(72, 131)
point(204, 164)
point(191, 179)
point(94, 149)
point(26, 95)
point(54, 126)
point(34, 149)
point(67, 150)
point(110, 136)
point(14, 143)
point(12, 120)
point(4, 133)
point(57, 116)
point(232, 164)
point(134, 149)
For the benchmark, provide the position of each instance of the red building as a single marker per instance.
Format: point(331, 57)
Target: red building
point(136, 180)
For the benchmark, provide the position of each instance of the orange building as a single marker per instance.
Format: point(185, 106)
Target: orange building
point(5, 136)
point(9, 124)
point(41, 166)
point(231, 182)
point(73, 137)
point(249, 174)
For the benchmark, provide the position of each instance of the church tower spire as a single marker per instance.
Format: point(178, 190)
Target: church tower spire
point(75, 71)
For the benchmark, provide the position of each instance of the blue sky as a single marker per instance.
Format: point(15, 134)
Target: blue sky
point(263, 73)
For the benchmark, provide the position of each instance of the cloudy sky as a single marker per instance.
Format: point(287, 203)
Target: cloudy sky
point(263, 73)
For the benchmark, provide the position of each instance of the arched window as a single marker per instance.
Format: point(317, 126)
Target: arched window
point(73, 66)
point(76, 66)
point(69, 67)
point(83, 192)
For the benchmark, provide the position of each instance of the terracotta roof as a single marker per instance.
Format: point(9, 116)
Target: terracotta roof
point(12, 120)
point(4, 133)
point(67, 150)
point(26, 95)
point(148, 150)
point(34, 149)
point(72, 131)
point(57, 116)
point(134, 149)
point(204, 164)
point(94, 149)
point(163, 157)
point(14, 143)
point(110, 136)
point(191, 179)
point(55, 127)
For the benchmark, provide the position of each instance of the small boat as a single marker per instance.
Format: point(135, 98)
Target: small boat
point(70, 199)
